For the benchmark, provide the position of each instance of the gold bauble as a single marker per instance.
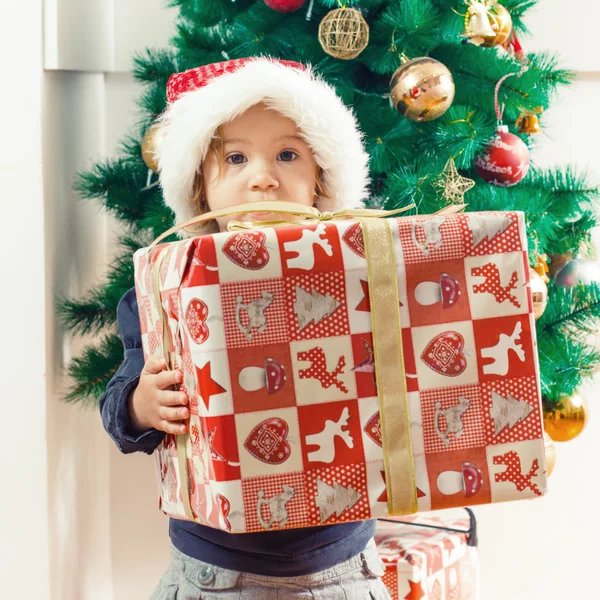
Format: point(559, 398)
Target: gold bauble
point(550, 452)
point(539, 293)
point(344, 33)
point(565, 420)
point(149, 146)
point(422, 89)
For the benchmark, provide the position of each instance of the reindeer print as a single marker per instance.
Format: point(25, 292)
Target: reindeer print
point(305, 248)
point(318, 369)
point(493, 285)
point(433, 235)
point(325, 439)
point(514, 474)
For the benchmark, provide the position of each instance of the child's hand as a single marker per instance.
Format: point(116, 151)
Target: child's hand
point(153, 403)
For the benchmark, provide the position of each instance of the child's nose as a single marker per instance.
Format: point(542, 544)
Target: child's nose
point(264, 180)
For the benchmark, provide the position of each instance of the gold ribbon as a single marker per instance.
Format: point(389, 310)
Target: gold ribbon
point(389, 366)
point(386, 326)
point(169, 356)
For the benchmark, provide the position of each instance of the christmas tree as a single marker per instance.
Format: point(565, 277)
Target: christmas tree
point(389, 60)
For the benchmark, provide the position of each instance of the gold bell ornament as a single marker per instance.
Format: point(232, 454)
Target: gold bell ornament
point(487, 23)
point(528, 122)
point(541, 267)
point(421, 89)
point(565, 420)
point(344, 33)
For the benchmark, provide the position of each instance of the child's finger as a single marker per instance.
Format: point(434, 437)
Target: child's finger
point(155, 364)
point(177, 413)
point(175, 427)
point(166, 379)
point(171, 398)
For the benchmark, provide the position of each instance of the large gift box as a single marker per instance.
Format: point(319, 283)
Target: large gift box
point(346, 369)
point(430, 557)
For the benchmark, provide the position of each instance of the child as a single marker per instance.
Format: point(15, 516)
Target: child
point(239, 132)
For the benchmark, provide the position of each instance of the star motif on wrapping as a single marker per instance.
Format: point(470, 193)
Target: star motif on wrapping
point(208, 386)
point(416, 591)
point(365, 304)
point(452, 184)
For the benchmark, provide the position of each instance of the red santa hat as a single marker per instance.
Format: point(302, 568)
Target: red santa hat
point(202, 99)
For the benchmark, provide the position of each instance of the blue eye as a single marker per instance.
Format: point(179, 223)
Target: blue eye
point(231, 161)
point(287, 155)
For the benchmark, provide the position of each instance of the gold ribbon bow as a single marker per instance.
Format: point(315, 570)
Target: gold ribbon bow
point(386, 326)
point(310, 214)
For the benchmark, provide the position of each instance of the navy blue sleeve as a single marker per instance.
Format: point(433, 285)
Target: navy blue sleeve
point(113, 403)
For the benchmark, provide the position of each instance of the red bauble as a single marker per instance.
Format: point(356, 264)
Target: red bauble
point(505, 161)
point(285, 6)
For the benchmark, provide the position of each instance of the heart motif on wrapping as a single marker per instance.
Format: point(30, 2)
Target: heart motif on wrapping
point(268, 441)
point(444, 354)
point(195, 319)
point(247, 249)
point(373, 429)
point(354, 239)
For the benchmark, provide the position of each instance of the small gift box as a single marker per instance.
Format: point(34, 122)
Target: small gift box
point(430, 557)
point(346, 367)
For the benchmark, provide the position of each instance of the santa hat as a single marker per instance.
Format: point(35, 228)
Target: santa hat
point(201, 99)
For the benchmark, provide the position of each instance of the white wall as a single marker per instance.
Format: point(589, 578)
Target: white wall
point(23, 521)
point(78, 510)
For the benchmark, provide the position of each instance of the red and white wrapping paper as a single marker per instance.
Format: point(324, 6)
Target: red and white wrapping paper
point(423, 563)
point(272, 329)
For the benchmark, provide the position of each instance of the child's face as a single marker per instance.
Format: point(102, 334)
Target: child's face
point(265, 160)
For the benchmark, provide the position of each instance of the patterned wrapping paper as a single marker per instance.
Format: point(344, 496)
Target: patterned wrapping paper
point(424, 563)
point(272, 329)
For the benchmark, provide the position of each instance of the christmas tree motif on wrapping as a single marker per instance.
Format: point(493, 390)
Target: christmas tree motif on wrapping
point(256, 313)
point(305, 248)
point(325, 439)
point(513, 473)
point(500, 351)
point(493, 285)
point(453, 416)
point(508, 411)
point(313, 307)
point(431, 230)
point(334, 499)
point(318, 369)
point(277, 506)
point(484, 226)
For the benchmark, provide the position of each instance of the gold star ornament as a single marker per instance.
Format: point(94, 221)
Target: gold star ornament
point(452, 185)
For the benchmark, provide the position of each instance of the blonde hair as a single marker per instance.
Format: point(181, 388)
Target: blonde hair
point(198, 200)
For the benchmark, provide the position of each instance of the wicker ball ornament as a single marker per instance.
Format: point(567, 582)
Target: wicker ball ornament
point(422, 89)
point(344, 33)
